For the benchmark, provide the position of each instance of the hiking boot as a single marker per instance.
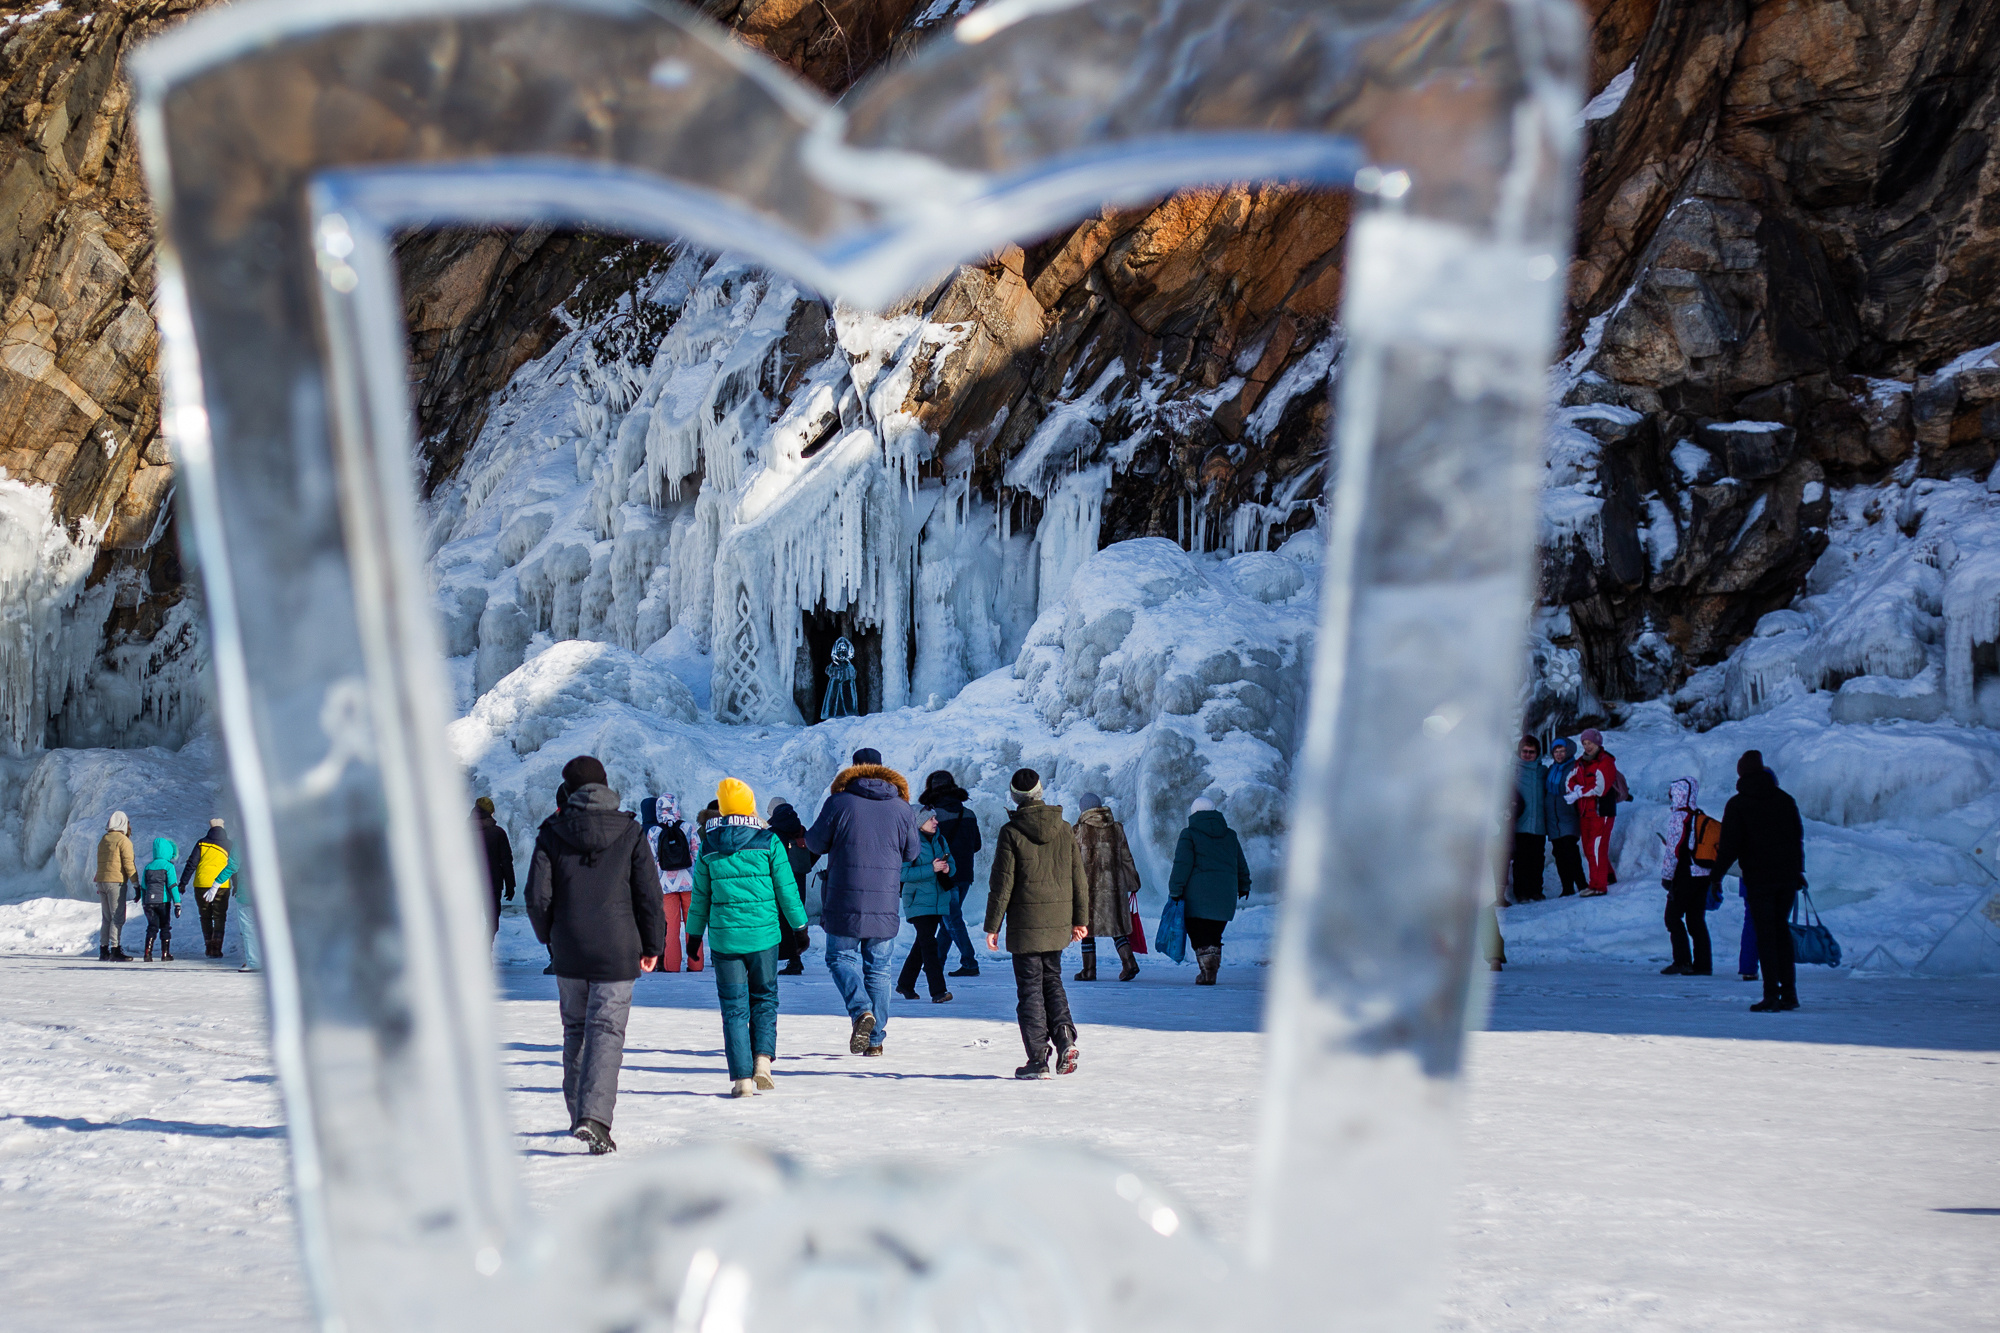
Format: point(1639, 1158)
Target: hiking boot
point(966, 970)
point(1128, 966)
point(857, 1040)
point(943, 998)
point(1066, 1059)
point(1034, 1070)
point(1088, 972)
point(597, 1137)
point(103, 953)
point(876, 1049)
point(1676, 970)
point(762, 1077)
point(743, 1087)
point(118, 955)
point(147, 956)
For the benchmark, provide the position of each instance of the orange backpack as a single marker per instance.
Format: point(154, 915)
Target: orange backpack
point(1704, 840)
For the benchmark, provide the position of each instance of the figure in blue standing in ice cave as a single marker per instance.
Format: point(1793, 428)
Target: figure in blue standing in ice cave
point(840, 700)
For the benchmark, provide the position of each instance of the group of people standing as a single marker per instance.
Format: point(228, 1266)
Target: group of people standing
point(1572, 803)
point(210, 873)
point(603, 887)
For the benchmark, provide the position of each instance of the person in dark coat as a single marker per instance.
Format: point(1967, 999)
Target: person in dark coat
point(868, 833)
point(1531, 821)
point(791, 831)
point(946, 799)
point(1114, 878)
point(1209, 875)
point(499, 855)
point(594, 899)
point(1764, 838)
point(1038, 891)
point(1565, 827)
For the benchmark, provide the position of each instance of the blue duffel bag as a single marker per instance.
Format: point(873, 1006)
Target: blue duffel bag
point(1812, 942)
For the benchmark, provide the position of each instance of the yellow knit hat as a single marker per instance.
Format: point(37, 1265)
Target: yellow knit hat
point(734, 797)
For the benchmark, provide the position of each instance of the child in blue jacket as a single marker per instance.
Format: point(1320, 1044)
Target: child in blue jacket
point(160, 895)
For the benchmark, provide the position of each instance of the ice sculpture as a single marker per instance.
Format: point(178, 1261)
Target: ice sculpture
point(286, 142)
point(839, 700)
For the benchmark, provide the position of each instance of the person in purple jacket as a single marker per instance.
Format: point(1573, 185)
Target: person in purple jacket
point(868, 833)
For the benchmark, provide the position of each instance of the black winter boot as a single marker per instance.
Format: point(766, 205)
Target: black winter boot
point(147, 957)
point(795, 968)
point(103, 953)
point(1088, 972)
point(1128, 965)
point(1211, 963)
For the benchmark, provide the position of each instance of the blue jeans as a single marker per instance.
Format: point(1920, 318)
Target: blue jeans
point(954, 921)
point(863, 982)
point(747, 986)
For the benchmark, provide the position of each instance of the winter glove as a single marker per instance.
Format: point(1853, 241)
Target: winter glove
point(208, 897)
point(177, 909)
point(693, 947)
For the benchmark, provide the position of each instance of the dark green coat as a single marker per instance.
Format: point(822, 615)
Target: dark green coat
point(742, 883)
point(1209, 869)
point(1037, 886)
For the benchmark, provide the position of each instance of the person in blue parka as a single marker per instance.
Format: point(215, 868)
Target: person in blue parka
point(868, 833)
point(1210, 874)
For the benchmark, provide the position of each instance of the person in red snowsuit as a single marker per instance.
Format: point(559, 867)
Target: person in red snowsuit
point(1595, 788)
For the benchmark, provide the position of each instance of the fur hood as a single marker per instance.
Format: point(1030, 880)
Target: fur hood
point(876, 771)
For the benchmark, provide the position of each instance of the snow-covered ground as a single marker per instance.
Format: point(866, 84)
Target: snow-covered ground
point(1641, 1152)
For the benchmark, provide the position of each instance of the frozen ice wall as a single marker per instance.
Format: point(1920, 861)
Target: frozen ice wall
point(51, 623)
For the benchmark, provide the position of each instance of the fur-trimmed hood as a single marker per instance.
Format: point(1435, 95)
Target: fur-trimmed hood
point(861, 777)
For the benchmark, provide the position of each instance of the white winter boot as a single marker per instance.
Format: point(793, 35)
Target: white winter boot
point(763, 1075)
point(743, 1087)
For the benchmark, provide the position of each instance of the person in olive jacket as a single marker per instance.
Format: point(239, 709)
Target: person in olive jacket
point(927, 891)
point(745, 896)
point(594, 899)
point(1038, 891)
point(1210, 874)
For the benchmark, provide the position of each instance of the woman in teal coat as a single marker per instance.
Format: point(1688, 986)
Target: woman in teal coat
point(926, 900)
point(744, 896)
point(1210, 874)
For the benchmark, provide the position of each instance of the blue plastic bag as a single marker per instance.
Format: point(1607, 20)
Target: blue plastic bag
point(1171, 938)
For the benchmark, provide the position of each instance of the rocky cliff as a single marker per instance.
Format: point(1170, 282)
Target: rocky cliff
point(1787, 236)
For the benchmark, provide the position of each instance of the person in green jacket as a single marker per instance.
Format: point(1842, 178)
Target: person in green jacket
point(1210, 874)
point(1038, 891)
point(744, 894)
point(926, 898)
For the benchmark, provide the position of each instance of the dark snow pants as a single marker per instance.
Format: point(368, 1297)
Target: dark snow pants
point(1042, 1005)
point(1687, 922)
point(593, 1023)
point(1527, 864)
point(1203, 933)
point(160, 921)
point(1772, 913)
point(928, 953)
point(214, 918)
point(1568, 856)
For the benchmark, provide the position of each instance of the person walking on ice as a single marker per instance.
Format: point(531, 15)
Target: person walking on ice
point(160, 897)
point(1209, 875)
point(594, 899)
point(946, 800)
point(744, 897)
point(116, 870)
point(1038, 892)
point(1113, 879)
point(675, 850)
point(868, 833)
point(926, 903)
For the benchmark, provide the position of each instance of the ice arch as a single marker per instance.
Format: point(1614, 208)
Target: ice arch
point(284, 142)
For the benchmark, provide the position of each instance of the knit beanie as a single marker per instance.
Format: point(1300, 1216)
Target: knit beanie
point(216, 822)
point(1090, 801)
point(867, 755)
point(1751, 765)
point(1592, 736)
point(1026, 787)
point(734, 797)
point(484, 805)
point(1201, 805)
point(584, 771)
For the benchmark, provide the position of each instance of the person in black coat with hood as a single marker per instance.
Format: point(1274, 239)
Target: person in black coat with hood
point(791, 831)
point(499, 859)
point(1764, 838)
point(594, 899)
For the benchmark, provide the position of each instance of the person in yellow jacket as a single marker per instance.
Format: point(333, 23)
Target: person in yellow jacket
point(116, 870)
point(209, 871)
